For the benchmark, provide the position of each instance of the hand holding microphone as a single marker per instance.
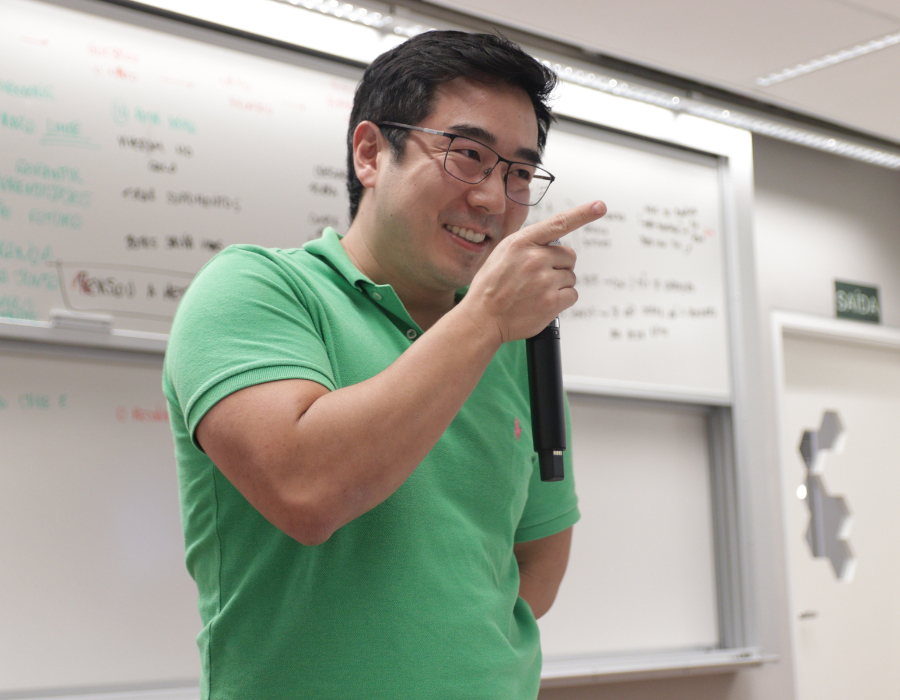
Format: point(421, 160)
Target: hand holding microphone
point(525, 284)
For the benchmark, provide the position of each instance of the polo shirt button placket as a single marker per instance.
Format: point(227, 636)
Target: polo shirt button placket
point(376, 296)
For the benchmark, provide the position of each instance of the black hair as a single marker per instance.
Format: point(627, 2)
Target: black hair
point(399, 85)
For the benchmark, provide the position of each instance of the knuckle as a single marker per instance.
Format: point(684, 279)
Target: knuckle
point(535, 259)
point(559, 225)
point(520, 236)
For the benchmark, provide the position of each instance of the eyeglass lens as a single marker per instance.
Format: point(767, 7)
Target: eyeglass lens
point(472, 162)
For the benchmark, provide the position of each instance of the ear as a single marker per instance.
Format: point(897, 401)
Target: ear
point(368, 144)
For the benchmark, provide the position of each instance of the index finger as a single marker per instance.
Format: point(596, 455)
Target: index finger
point(546, 231)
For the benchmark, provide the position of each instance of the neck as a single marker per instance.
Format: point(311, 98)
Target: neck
point(426, 306)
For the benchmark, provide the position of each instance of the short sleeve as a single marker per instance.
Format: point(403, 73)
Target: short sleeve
point(552, 506)
point(247, 318)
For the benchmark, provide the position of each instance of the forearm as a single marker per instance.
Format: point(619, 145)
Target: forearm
point(542, 565)
point(359, 444)
point(327, 464)
point(538, 592)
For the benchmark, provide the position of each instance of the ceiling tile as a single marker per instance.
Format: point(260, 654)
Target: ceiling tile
point(706, 39)
point(890, 8)
point(862, 93)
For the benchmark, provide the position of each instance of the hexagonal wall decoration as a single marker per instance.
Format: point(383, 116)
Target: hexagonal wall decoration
point(829, 516)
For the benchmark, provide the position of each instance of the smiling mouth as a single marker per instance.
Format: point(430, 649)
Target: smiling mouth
point(466, 233)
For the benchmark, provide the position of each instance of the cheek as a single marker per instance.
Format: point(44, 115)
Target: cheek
point(516, 218)
point(426, 186)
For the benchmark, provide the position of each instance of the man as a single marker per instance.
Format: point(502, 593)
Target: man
point(360, 498)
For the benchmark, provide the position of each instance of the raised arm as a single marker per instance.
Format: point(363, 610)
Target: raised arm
point(311, 460)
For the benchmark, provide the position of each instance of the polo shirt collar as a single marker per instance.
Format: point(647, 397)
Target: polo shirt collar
point(329, 248)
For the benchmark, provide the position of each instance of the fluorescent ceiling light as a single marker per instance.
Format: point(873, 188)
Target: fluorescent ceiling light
point(757, 125)
point(343, 10)
point(327, 26)
point(829, 60)
point(368, 16)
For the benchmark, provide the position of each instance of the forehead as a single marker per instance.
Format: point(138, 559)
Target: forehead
point(502, 110)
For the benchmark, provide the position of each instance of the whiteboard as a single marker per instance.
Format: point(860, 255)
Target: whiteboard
point(651, 308)
point(94, 571)
point(95, 591)
point(135, 155)
point(641, 574)
point(129, 157)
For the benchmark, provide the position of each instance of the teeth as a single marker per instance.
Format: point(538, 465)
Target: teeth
point(467, 233)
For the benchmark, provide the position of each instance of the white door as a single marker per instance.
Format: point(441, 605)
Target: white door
point(846, 631)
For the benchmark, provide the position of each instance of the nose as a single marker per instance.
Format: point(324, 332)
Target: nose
point(489, 195)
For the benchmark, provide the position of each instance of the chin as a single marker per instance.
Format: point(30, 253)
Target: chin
point(456, 279)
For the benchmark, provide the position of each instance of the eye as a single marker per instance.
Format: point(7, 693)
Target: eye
point(521, 173)
point(468, 152)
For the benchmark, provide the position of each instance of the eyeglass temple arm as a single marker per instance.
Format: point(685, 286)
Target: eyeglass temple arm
point(419, 128)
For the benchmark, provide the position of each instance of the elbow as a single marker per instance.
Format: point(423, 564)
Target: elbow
point(311, 536)
point(311, 524)
point(296, 505)
point(308, 510)
point(542, 607)
point(317, 509)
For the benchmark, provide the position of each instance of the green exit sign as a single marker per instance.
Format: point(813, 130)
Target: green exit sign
point(857, 302)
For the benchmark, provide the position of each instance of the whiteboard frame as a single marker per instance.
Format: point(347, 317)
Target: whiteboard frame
point(49, 333)
point(730, 429)
point(730, 433)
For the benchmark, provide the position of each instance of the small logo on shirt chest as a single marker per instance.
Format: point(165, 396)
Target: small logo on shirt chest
point(518, 430)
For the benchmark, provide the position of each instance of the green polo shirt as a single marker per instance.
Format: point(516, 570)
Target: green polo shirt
point(415, 599)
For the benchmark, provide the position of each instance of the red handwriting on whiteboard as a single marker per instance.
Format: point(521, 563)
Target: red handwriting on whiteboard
point(250, 105)
point(139, 414)
point(341, 103)
point(113, 52)
point(122, 74)
point(234, 81)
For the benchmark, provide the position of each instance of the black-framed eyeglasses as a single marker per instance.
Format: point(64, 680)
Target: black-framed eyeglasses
point(472, 162)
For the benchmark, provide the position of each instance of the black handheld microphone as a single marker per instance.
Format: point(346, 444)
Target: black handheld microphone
point(548, 413)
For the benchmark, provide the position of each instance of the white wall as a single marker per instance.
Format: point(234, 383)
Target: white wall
point(817, 217)
point(820, 217)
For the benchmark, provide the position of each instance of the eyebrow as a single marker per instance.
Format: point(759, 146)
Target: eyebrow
point(478, 134)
